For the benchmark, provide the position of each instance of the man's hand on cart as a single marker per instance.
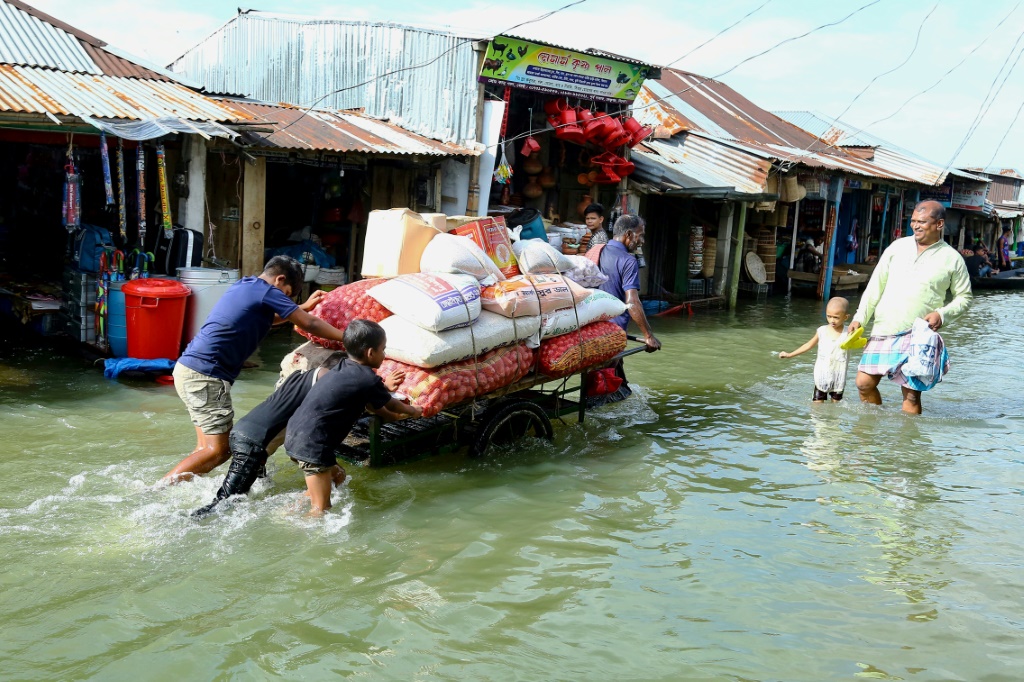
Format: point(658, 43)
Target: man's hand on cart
point(394, 380)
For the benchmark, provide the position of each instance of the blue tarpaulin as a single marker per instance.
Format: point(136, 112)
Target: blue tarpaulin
point(114, 367)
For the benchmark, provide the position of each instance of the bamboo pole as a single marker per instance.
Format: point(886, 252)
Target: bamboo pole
point(792, 245)
point(737, 257)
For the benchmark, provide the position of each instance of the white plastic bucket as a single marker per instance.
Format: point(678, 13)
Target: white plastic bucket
point(208, 285)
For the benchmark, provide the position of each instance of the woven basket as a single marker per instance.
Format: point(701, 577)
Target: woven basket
point(710, 255)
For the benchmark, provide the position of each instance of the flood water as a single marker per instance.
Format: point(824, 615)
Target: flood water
point(718, 526)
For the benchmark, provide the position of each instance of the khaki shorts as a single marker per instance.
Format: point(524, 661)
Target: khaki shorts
point(208, 400)
point(310, 469)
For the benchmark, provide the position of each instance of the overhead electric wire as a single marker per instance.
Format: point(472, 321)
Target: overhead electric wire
point(917, 41)
point(1003, 139)
point(989, 99)
point(431, 61)
point(723, 31)
point(945, 75)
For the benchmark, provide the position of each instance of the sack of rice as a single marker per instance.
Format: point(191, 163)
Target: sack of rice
point(537, 257)
point(532, 295)
point(434, 389)
point(414, 345)
point(434, 302)
point(491, 235)
point(597, 307)
point(344, 304)
point(394, 242)
point(591, 345)
point(459, 255)
point(585, 272)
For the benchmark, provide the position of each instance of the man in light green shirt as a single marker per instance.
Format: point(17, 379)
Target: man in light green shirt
point(910, 281)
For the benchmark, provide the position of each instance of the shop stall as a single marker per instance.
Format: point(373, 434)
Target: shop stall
point(564, 136)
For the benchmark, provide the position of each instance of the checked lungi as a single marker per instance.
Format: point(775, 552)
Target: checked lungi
point(888, 354)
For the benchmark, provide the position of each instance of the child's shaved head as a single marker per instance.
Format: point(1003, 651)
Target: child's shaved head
point(838, 304)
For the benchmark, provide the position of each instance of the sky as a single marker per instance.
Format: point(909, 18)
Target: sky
point(823, 72)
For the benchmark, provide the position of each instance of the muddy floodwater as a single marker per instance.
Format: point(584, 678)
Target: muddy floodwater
point(716, 526)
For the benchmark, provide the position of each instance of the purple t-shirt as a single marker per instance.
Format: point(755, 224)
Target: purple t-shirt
point(235, 327)
point(623, 274)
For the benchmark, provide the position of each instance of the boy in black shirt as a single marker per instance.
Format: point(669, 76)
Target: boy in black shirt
point(332, 407)
point(254, 432)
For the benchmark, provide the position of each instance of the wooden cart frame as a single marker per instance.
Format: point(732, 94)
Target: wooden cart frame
point(523, 409)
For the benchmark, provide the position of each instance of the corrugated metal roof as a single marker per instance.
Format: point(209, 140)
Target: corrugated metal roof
point(995, 170)
point(32, 38)
point(25, 89)
point(684, 102)
point(304, 60)
point(325, 130)
point(29, 40)
point(884, 154)
point(693, 162)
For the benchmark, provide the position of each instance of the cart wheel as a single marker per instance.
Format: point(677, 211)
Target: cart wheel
point(509, 422)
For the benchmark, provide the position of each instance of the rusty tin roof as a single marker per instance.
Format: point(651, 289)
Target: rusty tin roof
point(682, 102)
point(338, 131)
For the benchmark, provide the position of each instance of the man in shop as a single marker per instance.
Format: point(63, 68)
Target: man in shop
point(807, 258)
point(617, 260)
point(239, 321)
point(593, 215)
point(910, 281)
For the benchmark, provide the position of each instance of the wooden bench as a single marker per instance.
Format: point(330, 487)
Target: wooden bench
point(841, 280)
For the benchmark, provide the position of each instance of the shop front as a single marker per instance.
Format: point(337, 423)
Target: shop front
point(560, 132)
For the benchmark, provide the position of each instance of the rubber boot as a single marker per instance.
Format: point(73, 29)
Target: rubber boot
point(245, 468)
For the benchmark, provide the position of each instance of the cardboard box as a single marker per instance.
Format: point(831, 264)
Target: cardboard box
point(439, 221)
point(395, 240)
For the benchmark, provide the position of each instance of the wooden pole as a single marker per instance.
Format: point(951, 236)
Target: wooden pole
point(737, 257)
point(831, 218)
point(252, 224)
point(885, 229)
point(792, 245)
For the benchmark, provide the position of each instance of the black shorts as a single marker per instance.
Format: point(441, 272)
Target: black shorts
point(822, 396)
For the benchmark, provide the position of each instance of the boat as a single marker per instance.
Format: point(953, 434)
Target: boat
point(1011, 279)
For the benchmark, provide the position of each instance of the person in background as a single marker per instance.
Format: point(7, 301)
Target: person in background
point(807, 258)
point(1003, 251)
point(910, 281)
point(213, 360)
point(333, 405)
point(593, 215)
point(977, 265)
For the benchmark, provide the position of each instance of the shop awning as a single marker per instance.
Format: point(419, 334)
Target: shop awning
point(31, 90)
point(688, 164)
point(167, 125)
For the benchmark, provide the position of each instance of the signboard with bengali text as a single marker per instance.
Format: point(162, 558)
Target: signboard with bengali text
point(558, 71)
point(969, 197)
point(942, 194)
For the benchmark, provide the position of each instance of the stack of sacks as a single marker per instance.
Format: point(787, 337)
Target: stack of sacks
point(450, 349)
point(538, 257)
point(344, 304)
point(433, 390)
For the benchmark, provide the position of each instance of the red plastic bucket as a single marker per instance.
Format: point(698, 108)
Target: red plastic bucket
point(155, 315)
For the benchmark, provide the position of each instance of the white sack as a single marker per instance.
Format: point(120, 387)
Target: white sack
point(416, 346)
point(597, 307)
point(433, 301)
point(459, 255)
